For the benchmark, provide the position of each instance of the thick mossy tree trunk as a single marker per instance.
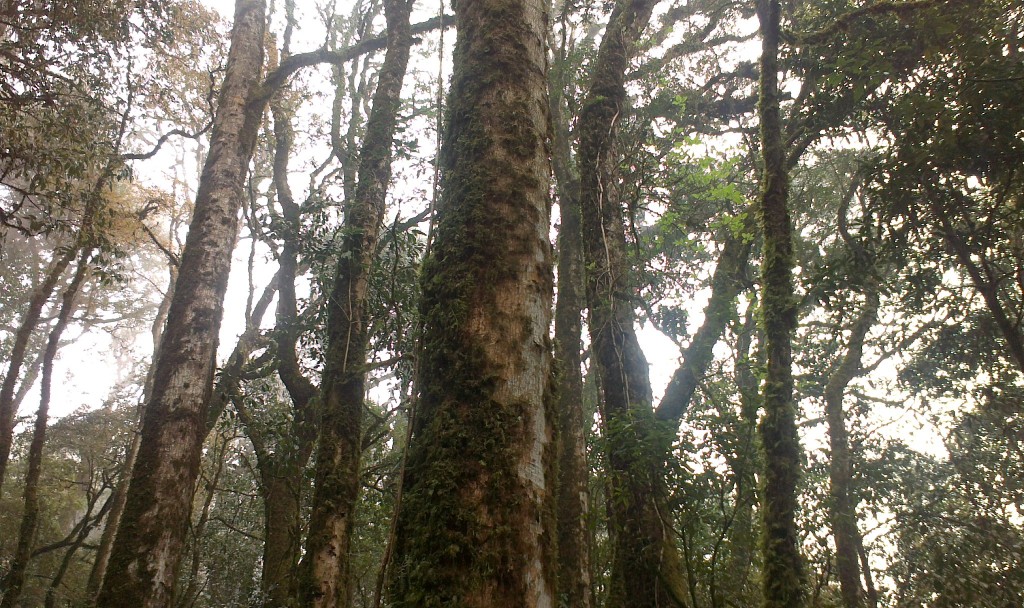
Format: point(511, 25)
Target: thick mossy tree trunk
point(842, 499)
point(571, 431)
point(475, 525)
point(148, 547)
point(645, 566)
point(119, 495)
point(325, 567)
point(782, 574)
point(281, 489)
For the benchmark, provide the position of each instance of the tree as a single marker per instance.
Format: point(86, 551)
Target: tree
point(645, 567)
point(148, 546)
point(956, 174)
point(572, 424)
point(325, 566)
point(476, 504)
point(783, 572)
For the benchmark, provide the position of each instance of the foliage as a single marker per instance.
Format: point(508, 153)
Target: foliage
point(903, 133)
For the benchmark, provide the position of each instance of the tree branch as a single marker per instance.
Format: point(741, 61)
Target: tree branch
point(163, 139)
point(842, 23)
point(289, 66)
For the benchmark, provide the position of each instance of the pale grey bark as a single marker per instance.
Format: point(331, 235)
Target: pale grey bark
point(148, 547)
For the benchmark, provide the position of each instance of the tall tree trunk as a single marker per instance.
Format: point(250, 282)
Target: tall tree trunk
point(783, 578)
point(645, 564)
point(17, 358)
point(571, 430)
point(120, 495)
point(15, 579)
point(282, 470)
point(282, 540)
point(744, 464)
point(325, 568)
point(477, 514)
point(148, 547)
point(843, 502)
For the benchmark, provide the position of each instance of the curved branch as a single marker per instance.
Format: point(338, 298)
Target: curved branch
point(844, 22)
point(278, 77)
point(163, 139)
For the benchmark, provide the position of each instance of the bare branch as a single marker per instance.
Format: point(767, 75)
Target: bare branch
point(276, 78)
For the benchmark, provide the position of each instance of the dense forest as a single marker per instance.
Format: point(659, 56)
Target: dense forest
point(510, 303)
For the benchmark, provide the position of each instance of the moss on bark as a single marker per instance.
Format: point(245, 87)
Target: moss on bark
point(475, 522)
point(783, 579)
point(645, 565)
point(148, 546)
point(571, 431)
point(325, 567)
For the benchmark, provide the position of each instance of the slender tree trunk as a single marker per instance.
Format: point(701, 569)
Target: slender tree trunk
point(197, 530)
point(148, 547)
point(27, 381)
point(475, 526)
point(744, 465)
point(282, 471)
point(571, 431)
point(85, 527)
point(28, 325)
point(325, 569)
point(572, 499)
point(871, 593)
point(15, 579)
point(646, 571)
point(843, 502)
point(783, 577)
point(102, 559)
point(988, 288)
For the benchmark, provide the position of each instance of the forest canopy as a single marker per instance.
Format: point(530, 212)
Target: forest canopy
point(624, 304)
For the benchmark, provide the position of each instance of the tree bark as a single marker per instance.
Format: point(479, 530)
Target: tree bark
point(281, 470)
point(645, 564)
point(120, 493)
point(783, 578)
point(14, 581)
point(197, 529)
point(282, 539)
point(571, 431)
point(325, 568)
point(148, 547)
point(477, 514)
point(843, 502)
point(28, 325)
point(744, 465)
